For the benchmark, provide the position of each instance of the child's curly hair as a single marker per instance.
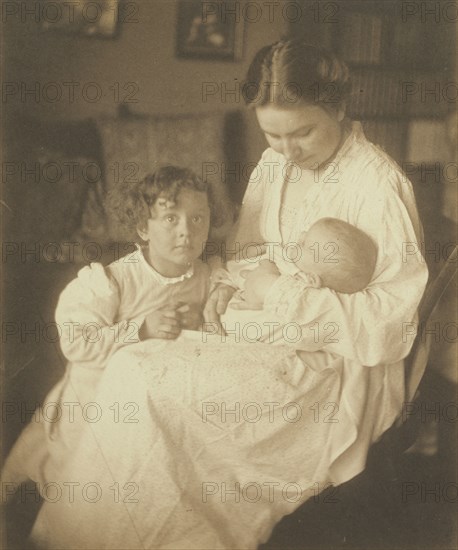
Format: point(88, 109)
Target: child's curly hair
point(131, 203)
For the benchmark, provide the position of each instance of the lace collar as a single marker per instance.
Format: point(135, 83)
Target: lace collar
point(139, 256)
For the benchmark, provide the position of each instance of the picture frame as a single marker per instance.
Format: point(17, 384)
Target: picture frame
point(92, 19)
point(205, 32)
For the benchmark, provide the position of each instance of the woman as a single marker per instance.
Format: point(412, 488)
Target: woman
point(335, 172)
point(229, 436)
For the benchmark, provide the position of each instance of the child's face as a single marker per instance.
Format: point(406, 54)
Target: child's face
point(177, 232)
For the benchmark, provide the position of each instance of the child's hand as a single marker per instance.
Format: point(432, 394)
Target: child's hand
point(162, 323)
point(190, 316)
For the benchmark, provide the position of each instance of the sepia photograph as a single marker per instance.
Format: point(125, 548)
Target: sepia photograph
point(229, 275)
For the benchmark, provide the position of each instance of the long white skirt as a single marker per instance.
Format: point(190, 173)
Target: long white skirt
point(192, 444)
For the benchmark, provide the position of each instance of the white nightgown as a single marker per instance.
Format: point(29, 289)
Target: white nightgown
point(98, 313)
point(231, 436)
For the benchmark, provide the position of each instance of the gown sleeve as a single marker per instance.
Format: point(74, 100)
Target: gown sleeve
point(86, 314)
point(247, 228)
point(375, 325)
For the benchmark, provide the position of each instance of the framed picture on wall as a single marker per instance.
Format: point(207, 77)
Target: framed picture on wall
point(99, 19)
point(209, 30)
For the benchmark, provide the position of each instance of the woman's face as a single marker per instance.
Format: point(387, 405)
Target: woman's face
point(306, 135)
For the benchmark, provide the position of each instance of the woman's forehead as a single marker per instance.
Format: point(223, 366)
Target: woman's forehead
point(289, 119)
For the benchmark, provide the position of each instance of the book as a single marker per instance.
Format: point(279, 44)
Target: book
point(389, 135)
point(361, 38)
point(376, 93)
point(427, 142)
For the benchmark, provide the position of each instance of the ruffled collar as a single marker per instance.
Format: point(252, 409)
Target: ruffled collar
point(138, 255)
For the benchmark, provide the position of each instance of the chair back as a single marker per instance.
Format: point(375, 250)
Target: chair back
point(416, 362)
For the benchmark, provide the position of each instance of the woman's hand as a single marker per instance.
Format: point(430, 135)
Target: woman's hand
point(162, 323)
point(217, 304)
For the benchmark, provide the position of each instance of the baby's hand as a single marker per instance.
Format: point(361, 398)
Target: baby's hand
point(266, 266)
point(257, 283)
point(162, 323)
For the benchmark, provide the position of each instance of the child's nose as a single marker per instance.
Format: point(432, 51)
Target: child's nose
point(184, 226)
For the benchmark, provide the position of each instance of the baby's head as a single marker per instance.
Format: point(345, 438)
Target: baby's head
point(340, 254)
point(170, 211)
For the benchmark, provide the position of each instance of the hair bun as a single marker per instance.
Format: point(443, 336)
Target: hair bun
point(291, 71)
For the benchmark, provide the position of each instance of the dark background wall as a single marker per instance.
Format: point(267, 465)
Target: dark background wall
point(416, 41)
point(142, 54)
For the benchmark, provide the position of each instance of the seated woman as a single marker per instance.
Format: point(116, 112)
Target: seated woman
point(229, 436)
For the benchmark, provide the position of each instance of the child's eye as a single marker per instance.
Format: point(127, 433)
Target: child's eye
point(197, 219)
point(171, 219)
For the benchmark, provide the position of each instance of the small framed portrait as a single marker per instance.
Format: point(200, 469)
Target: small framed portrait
point(99, 19)
point(209, 30)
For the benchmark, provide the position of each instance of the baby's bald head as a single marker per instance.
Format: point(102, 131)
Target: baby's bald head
point(342, 255)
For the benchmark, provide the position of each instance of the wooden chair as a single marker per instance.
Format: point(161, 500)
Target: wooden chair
point(376, 492)
point(379, 487)
point(404, 432)
point(415, 364)
point(373, 492)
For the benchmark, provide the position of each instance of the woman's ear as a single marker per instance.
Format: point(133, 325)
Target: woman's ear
point(341, 111)
point(142, 233)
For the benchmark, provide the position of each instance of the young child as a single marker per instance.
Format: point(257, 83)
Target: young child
point(154, 292)
point(160, 288)
point(332, 254)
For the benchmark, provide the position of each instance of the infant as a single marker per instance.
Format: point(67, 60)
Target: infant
point(332, 254)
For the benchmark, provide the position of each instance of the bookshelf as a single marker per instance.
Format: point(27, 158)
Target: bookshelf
point(402, 59)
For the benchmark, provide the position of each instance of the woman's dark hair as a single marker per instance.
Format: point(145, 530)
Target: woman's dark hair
point(132, 203)
point(291, 71)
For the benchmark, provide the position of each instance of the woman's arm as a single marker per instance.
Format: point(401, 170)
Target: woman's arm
point(245, 230)
point(373, 326)
point(86, 314)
